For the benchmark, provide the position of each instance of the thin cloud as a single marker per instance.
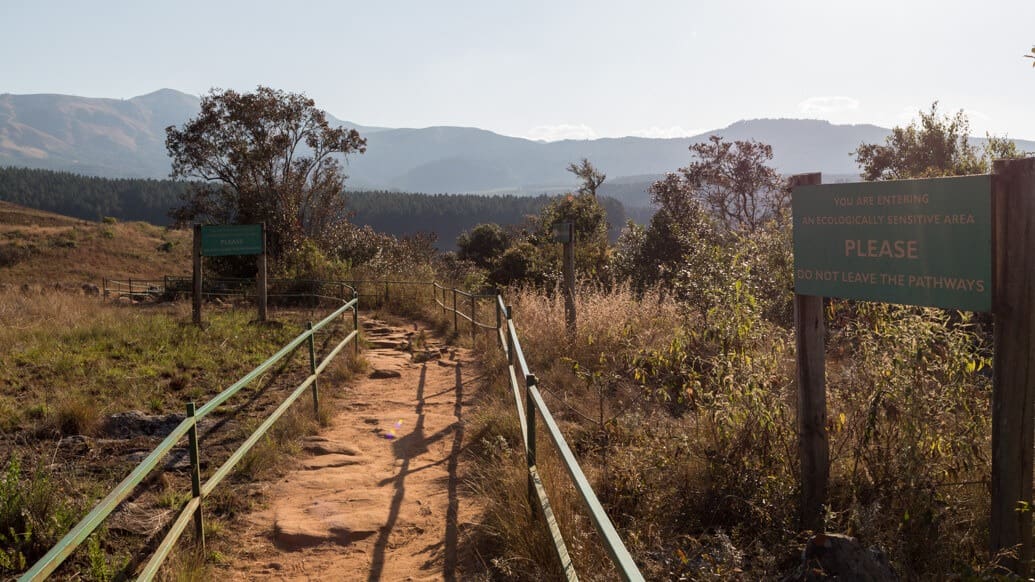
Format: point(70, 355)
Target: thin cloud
point(824, 106)
point(561, 131)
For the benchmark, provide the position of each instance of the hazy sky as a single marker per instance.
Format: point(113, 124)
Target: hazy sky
point(547, 70)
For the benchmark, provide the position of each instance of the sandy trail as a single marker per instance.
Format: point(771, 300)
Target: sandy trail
point(379, 497)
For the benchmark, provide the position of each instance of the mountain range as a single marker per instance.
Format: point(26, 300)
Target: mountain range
point(126, 138)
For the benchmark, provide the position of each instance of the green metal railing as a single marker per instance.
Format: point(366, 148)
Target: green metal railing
point(472, 300)
point(192, 510)
point(517, 367)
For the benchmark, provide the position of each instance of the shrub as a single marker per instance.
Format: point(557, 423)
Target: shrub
point(34, 514)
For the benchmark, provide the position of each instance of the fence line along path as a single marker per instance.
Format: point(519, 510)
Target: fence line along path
point(378, 498)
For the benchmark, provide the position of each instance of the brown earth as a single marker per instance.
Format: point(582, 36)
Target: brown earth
point(380, 497)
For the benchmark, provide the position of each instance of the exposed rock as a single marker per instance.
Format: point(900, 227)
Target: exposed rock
point(385, 373)
point(136, 423)
point(426, 356)
point(324, 446)
point(331, 461)
point(75, 445)
point(843, 558)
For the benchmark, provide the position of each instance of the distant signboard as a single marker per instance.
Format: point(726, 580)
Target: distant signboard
point(223, 240)
point(562, 232)
point(916, 242)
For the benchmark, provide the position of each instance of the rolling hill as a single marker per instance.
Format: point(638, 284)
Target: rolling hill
point(126, 138)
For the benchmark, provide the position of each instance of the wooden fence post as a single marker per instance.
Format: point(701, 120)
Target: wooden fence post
point(569, 280)
point(260, 279)
point(813, 441)
point(474, 328)
point(1013, 391)
point(456, 323)
point(196, 301)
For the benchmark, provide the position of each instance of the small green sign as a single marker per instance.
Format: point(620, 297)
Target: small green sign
point(915, 242)
point(222, 240)
point(562, 232)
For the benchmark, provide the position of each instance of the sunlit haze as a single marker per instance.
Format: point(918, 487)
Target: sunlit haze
point(547, 70)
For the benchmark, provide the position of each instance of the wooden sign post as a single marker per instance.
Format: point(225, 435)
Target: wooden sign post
point(958, 243)
point(1013, 392)
point(564, 233)
point(813, 441)
point(222, 240)
point(196, 299)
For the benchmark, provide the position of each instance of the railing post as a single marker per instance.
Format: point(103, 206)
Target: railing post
point(530, 381)
point(474, 328)
point(195, 476)
point(456, 325)
point(510, 340)
point(312, 367)
point(355, 322)
point(499, 315)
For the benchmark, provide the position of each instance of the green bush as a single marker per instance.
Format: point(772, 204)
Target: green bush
point(34, 514)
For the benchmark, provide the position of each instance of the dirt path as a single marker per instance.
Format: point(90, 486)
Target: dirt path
point(379, 499)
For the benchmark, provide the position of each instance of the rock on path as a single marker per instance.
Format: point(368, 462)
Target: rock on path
point(378, 496)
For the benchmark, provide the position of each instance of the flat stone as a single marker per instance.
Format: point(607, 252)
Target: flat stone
point(385, 373)
point(330, 461)
point(317, 523)
point(326, 447)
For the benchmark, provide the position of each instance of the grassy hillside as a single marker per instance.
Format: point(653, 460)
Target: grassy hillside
point(38, 247)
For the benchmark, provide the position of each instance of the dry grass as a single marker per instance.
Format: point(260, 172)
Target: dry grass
point(686, 431)
point(42, 248)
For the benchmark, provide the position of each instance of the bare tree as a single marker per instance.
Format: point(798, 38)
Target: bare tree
point(591, 178)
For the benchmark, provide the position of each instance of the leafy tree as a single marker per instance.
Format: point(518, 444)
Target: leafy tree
point(591, 178)
point(520, 264)
point(268, 156)
point(734, 182)
point(483, 244)
point(934, 145)
point(589, 218)
point(679, 231)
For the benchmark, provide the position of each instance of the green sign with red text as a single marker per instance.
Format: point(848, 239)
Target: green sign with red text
point(915, 242)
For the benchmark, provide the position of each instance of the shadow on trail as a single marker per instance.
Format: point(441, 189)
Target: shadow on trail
point(406, 448)
point(452, 511)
